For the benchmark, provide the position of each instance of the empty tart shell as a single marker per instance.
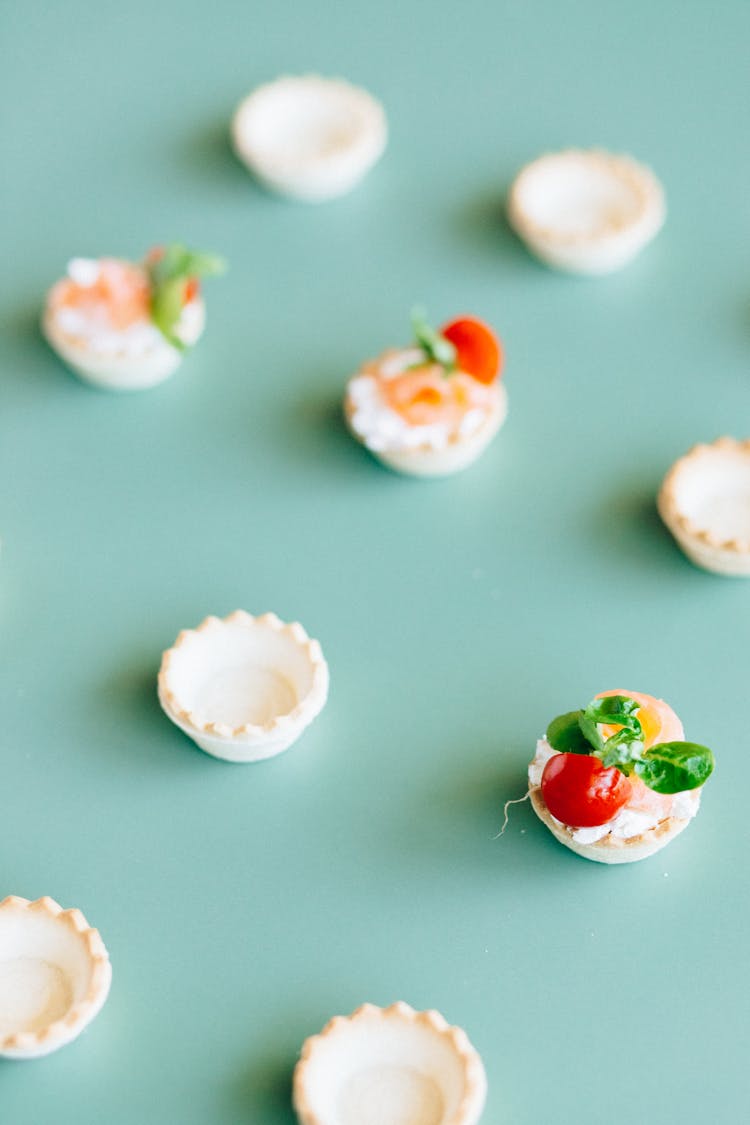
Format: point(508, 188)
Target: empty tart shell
point(389, 1066)
point(242, 687)
point(55, 975)
point(705, 502)
point(586, 211)
point(309, 137)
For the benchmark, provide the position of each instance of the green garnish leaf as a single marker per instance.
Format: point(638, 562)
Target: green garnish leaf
point(618, 710)
point(435, 347)
point(169, 271)
point(167, 303)
point(671, 767)
point(668, 767)
point(590, 732)
point(621, 750)
point(613, 710)
point(565, 735)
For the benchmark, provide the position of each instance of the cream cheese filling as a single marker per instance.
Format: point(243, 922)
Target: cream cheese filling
point(381, 428)
point(91, 329)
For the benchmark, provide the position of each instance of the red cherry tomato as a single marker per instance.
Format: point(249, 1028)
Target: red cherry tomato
point(581, 792)
point(478, 350)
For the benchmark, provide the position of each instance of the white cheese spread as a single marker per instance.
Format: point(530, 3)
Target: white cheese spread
point(90, 326)
point(381, 428)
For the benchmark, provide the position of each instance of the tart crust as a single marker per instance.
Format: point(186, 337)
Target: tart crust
point(55, 966)
point(257, 666)
point(718, 473)
point(426, 460)
point(619, 226)
point(395, 1052)
point(273, 126)
point(122, 372)
point(610, 849)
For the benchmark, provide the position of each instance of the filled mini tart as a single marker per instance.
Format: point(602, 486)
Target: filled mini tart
point(431, 408)
point(616, 781)
point(125, 325)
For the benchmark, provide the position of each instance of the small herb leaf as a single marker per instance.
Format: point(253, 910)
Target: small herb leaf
point(671, 767)
point(166, 309)
point(564, 734)
point(668, 767)
point(435, 347)
point(590, 731)
point(169, 270)
point(617, 710)
point(621, 751)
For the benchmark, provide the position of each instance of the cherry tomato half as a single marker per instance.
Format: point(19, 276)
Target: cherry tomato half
point(581, 792)
point(478, 350)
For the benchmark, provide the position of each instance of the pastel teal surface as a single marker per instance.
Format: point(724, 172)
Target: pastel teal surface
point(244, 906)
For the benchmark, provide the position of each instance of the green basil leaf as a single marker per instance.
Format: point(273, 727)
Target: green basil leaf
point(177, 261)
point(564, 734)
point(168, 273)
point(169, 264)
point(436, 347)
point(166, 309)
point(621, 750)
point(671, 767)
point(198, 264)
point(615, 709)
point(590, 732)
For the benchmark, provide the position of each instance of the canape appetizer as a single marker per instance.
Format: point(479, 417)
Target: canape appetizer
point(54, 976)
point(242, 687)
point(388, 1065)
point(705, 502)
point(616, 781)
point(431, 408)
point(126, 326)
point(586, 212)
point(308, 137)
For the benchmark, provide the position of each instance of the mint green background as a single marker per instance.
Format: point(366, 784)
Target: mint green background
point(243, 906)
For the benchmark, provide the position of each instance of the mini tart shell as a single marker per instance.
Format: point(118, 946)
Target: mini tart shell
point(728, 555)
point(120, 372)
point(248, 741)
point(426, 460)
point(600, 251)
point(339, 164)
point(34, 1044)
point(610, 849)
point(313, 1061)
